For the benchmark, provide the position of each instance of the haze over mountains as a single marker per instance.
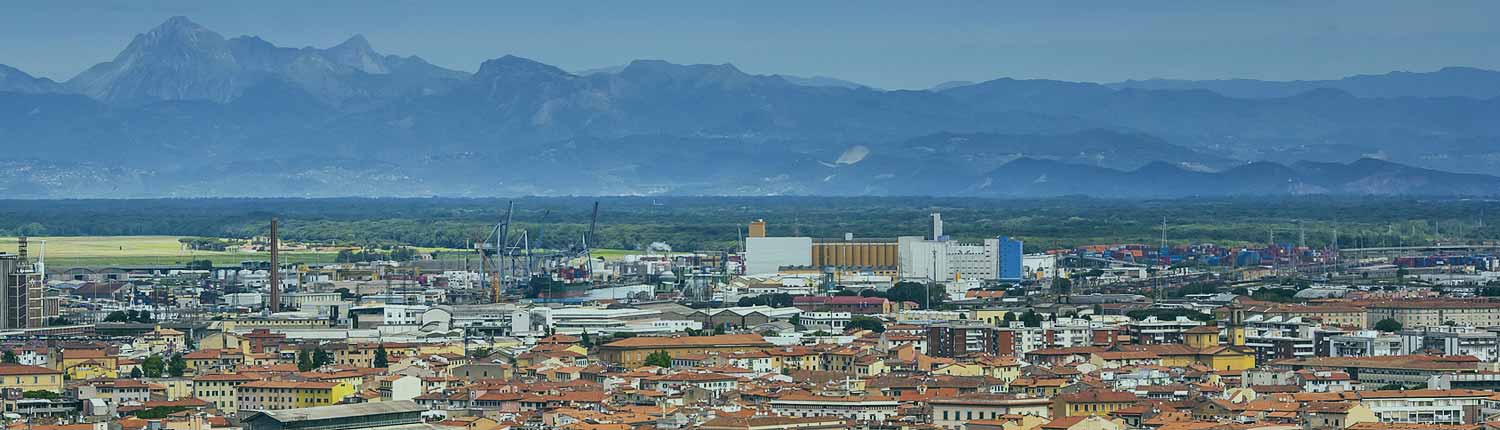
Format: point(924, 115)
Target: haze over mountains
point(185, 111)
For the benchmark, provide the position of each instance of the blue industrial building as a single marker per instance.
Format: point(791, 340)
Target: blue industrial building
point(1010, 260)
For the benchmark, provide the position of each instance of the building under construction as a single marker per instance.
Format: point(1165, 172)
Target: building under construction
point(21, 291)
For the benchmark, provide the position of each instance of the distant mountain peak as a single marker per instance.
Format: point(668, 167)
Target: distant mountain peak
point(514, 65)
point(15, 80)
point(950, 84)
point(178, 24)
point(355, 42)
point(357, 53)
point(179, 29)
point(663, 66)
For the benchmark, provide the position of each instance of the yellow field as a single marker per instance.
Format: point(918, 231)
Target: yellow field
point(107, 251)
point(102, 246)
point(101, 251)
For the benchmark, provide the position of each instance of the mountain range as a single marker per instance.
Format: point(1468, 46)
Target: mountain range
point(184, 111)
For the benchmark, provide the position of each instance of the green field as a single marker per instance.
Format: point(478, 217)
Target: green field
point(105, 251)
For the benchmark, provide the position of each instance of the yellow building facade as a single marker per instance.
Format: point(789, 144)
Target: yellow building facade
point(31, 378)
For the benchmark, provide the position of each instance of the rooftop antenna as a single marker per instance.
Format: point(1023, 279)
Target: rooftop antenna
point(41, 262)
point(1302, 243)
point(1275, 258)
point(928, 292)
point(1335, 248)
point(588, 240)
point(1164, 259)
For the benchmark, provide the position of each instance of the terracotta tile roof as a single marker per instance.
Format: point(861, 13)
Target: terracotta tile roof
point(724, 340)
point(225, 377)
point(1098, 397)
point(1064, 422)
point(810, 397)
point(1126, 355)
point(72, 354)
point(289, 384)
point(9, 369)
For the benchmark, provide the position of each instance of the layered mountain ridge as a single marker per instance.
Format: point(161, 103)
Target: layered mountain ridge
point(183, 111)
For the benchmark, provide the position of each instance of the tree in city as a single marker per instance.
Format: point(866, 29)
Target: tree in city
point(922, 294)
point(861, 322)
point(153, 366)
point(1031, 319)
point(585, 340)
point(480, 352)
point(382, 359)
point(1062, 286)
point(158, 412)
point(176, 366)
point(659, 359)
point(9, 357)
point(1388, 325)
point(321, 358)
point(1009, 317)
point(40, 394)
point(135, 373)
point(775, 300)
point(117, 316)
point(305, 361)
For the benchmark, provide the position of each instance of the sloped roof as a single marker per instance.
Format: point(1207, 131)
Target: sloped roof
point(338, 411)
point(689, 341)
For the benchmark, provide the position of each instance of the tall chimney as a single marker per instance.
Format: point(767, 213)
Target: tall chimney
point(275, 278)
point(937, 226)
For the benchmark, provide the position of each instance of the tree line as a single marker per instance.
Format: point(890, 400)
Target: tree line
point(717, 223)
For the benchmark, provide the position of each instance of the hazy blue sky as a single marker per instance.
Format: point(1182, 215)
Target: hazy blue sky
point(891, 44)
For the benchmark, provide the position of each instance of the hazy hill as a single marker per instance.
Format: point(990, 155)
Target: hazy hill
point(184, 111)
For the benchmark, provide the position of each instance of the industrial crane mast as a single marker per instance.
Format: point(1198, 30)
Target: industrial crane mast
point(588, 240)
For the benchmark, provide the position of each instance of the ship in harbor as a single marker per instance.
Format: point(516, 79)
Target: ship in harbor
point(561, 283)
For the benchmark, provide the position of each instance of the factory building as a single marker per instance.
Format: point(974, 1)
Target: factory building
point(766, 255)
point(936, 257)
point(875, 255)
point(940, 258)
point(21, 293)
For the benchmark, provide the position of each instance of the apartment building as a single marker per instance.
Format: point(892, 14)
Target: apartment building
point(1434, 313)
point(222, 390)
point(1365, 343)
point(281, 395)
point(1452, 340)
point(632, 352)
point(954, 412)
point(964, 338)
point(863, 408)
point(30, 378)
point(1156, 331)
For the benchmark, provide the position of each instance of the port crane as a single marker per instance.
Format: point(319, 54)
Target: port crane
point(508, 257)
